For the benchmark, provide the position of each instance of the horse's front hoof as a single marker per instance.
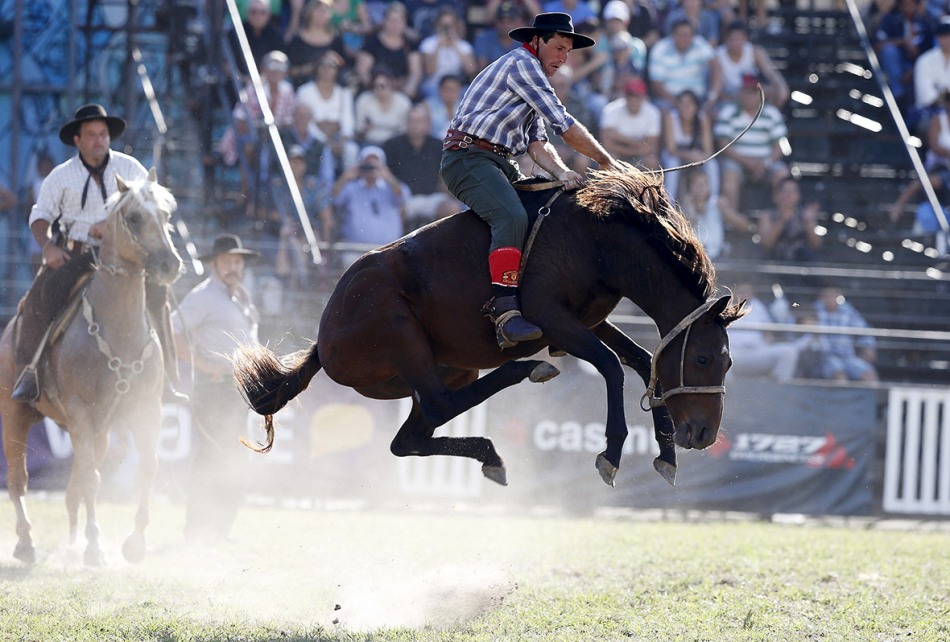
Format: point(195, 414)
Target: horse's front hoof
point(666, 470)
point(497, 474)
point(133, 550)
point(25, 552)
point(542, 372)
point(608, 472)
point(94, 557)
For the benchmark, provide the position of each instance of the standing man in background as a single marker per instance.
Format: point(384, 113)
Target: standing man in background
point(215, 315)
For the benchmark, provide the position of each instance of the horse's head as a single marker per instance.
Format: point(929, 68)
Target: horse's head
point(138, 228)
point(691, 364)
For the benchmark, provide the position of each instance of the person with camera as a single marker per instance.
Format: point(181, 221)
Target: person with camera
point(446, 52)
point(368, 204)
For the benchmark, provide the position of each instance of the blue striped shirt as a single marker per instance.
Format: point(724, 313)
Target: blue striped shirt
point(509, 101)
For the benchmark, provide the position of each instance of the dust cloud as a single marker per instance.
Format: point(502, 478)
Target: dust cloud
point(342, 570)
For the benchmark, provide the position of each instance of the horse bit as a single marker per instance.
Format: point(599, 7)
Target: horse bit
point(115, 364)
point(686, 324)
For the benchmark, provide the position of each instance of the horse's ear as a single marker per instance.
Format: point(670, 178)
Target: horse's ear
point(152, 175)
point(121, 184)
point(717, 309)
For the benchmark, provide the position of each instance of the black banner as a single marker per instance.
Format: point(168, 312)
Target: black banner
point(783, 449)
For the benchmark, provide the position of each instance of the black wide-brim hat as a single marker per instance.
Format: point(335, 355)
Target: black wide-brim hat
point(228, 244)
point(89, 112)
point(551, 23)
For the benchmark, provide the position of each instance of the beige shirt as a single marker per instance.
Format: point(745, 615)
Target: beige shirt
point(216, 321)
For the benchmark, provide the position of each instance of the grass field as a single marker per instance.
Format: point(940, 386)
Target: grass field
point(343, 575)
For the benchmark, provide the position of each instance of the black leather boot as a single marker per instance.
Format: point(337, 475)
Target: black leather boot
point(510, 326)
point(159, 314)
point(44, 302)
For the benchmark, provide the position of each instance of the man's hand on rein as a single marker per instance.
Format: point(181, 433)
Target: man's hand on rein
point(96, 230)
point(53, 255)
point(571, 179)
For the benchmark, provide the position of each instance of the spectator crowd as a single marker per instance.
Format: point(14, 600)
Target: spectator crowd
point(663, 86)
point(667, 84)
point(362, 92)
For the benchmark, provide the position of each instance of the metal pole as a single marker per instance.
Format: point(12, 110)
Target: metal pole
point(16, 98)
point(274, 134)
point(898, 119)
point(128, 65)
point(73, 71)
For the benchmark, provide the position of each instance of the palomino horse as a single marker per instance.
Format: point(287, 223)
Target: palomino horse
point(104, 372)
point(404, 321)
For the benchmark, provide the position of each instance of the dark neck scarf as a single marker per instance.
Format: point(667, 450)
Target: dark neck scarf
point(98, 171)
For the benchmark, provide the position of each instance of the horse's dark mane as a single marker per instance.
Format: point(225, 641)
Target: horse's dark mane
point(640, 198)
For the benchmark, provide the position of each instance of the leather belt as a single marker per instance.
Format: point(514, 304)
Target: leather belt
point(455, 139)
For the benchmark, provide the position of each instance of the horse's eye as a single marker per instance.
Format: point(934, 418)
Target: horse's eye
point(702, 360)
point(134, 219)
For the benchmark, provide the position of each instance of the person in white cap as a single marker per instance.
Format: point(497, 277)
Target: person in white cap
point(368, 203)
point(277, 89)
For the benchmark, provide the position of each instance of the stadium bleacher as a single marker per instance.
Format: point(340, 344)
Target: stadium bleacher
point(845, 149)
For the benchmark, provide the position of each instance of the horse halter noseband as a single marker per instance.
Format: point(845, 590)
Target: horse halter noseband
point(686, 324)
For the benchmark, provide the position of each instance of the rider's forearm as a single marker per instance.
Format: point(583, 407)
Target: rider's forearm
point(547, 158)
point(40, 231)
point(580, 139)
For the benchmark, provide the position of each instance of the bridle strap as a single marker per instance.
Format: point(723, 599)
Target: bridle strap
point(117, 223)
point(685, 325)
point(543, 212)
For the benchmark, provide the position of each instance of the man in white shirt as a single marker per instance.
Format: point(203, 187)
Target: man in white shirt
point(754, 353)
point(630, 126)
point(67, 221)
point(932, 72)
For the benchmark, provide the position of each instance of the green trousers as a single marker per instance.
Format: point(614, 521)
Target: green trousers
point(482, 180)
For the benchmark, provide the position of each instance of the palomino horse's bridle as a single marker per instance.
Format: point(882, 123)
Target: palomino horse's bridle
point(118, 223)
point(686, 324)
point(124, 372)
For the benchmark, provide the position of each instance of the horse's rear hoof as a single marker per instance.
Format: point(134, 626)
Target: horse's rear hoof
point(666, 469)
point(497, 474)
point(608, 472)
point(26, 553)
point(542, 372)
point(133, 550)
point(94, 557)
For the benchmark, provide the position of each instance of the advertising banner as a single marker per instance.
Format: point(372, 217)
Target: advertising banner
point(782, 449)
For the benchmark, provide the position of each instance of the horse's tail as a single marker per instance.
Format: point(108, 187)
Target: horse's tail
point(268, 382)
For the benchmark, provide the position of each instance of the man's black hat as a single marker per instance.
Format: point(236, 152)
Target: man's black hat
point(88, 112)
point(228, 244)
point(551, 23)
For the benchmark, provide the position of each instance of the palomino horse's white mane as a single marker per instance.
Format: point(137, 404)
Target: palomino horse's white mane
point(149, 195)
